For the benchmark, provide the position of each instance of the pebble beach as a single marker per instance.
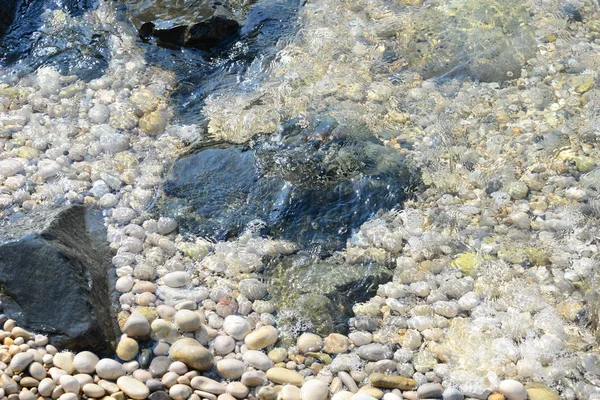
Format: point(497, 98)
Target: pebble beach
point(494, 282)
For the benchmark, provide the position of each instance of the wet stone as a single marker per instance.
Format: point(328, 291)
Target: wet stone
point(430, 390)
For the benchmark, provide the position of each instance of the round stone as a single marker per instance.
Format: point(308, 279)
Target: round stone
point(452, 393)
point(110, 369)
point(237, 390)
point(127, 349)
point(236, 327)
point(336, 343)
point(177, 279)
point(133, 388)
point(284, 376)
point(166, 225)
point(180, 392)
point(64, 361)
point(70, 384)
point(99, 113)
point(165, 331)
point(257, 359)
point(93, 390)
point(137, 325)
point(230, 368)
point(187, 320)
point(308, 342)
point(223, 344)
point(512, 390)
point(253, 289)
point(290, 392)
point(262, 337)
point(314, 389)
point(46, 387)
point(21, 361)
point(37, 371)
point(191, 353)
point(430, 391)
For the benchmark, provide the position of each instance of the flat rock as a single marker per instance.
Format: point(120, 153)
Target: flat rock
point(284, 376)
point(191, 353)
point(133, 388)
point(452, 394)
point(392, 382)
point(69, 243)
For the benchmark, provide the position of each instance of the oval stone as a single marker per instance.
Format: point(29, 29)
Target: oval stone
point(314, 389)
point(262, 337)
point(133, 388)
point(257, 359)
point(108, 368)
point(285, 376)
point(512, 390)
point(236, 327)
point(85, 362)
point(230, 368)
point(191, 353)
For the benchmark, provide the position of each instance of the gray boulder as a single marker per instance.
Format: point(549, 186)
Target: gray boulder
point(54, 277)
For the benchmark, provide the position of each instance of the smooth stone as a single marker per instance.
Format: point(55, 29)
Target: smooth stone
point(236, 327)
point(262, 337)
point(360, 338)
point(110, 369)
point(68, 396)
point(137, 326)
point(348, 381)
point(187, 320)
point(452, 393)
point(237, 390)
point(336, 343)
point(371, 391)
point(374, 352)
point(12, 166)
point(166, 225)
point(177, 279)
point(70, 384)
point(133, 388)
point(46, 387)
point(64, 361)
point(290, 392)
point(278, 354)
point(159, 395)
point(284, 376)
point(541, 392)
point(180, 392)
point(28, 382)
point(496, 396)
point(85, 362)
point(342, 395)
point(165, 331)
point(428, 391)
point(225, 396)
point(230, 368)
point(127, 349)
point(93, 390)
point(314, 389)
point(21, 361)
point(191, 353)
point(253, 289)
point(207, 385)
point(391, 396)
point(253, 378)
point(512, 390)
point(37, 371)
point(309, 342)
point(362, 396)
point(267, 393)
point(223, 344)
point(159, 366)
point(257, 359)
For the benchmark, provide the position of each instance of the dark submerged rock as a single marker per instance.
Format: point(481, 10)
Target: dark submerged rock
point(54, 278)
point(7, 15)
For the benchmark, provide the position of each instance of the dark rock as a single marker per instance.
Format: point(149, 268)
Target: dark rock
point(160, 365)
point(310, 185)
point(54, 278)
point(159, 395)
point(364, 323)
point(7, 14)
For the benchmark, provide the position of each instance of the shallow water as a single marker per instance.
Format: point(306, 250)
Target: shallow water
point(448, 148)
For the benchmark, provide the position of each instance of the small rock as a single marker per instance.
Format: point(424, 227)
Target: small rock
point(177, 279)
point(223, 344)
point(374, 352)
point(253, 378)
point(187, 320)
point(191, 353)
point(45, 388)
point(166, 225)
point(132, 387)
point(236, 327)
point(64, 361)
point(37, 371)
point(154, 123)
point(159, 366)
point(180, 392)
point(262, 337)
point(109, 369)
point(512, 390)
point(12, 166)
point(496, 396)
point(230, 368)
point(93, 390)
point(284, 376)
point(159, 395)
point(314, 389)
point(257, 359)
point(309, 342)
point(69, 384)
point(237, 390)
point(342, 395)
point(137, 326)
point(253, 289)
point(537, 391)
point(290, 392)
point(394, 382)
point(452, 394)
point(207, 385)
point(336, 343)
point(429, 391)
point(127, 349)
point(20, 361)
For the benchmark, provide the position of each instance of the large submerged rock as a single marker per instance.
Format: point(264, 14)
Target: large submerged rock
point(310, 184)
point(54, 277)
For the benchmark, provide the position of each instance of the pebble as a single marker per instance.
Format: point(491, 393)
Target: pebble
point(314, 389)
point(207, 385)
point(137, 326)
point(124, 284)
point(108, 368)
point(159, 366)
point(360, 338)
point(284, 376)
point(187, 320)
point(308, 342)
point(93, 390)
point(253, 289)
point(177, 279)
point(342, 395)
point(374, 352)
point(127, 349)
point(132, 387)
point(223, 344)
point(253, 378)
point(348, 381)
point(541, 392)
point(191, 353)
point(21, 361)
point(429, 391)
point(37, 371)
point(452, 393)
point(230, 368)
point(262, 337)
point(362, 396)
point(512, 390)
point(336, 343)
point(257, 359)
point(69, 384)
point(237, 390)
point(236, 327)
point(180, 392)
point(496, 396)
point(290, 392)
point(46, 387)
point(64, 361)
point(393, 382)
